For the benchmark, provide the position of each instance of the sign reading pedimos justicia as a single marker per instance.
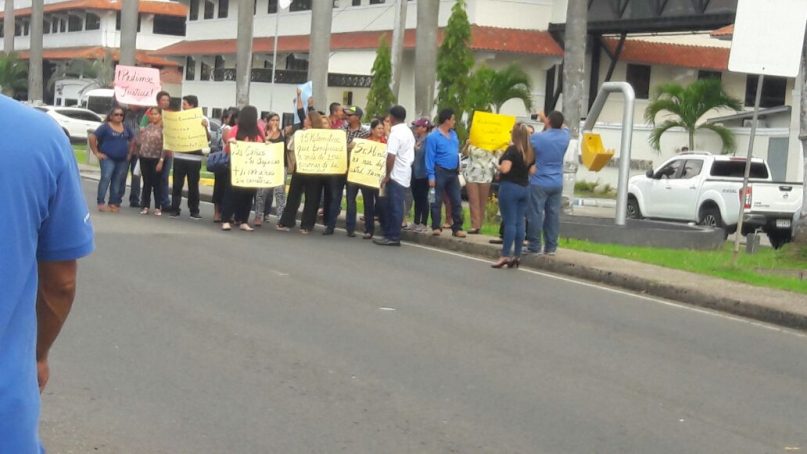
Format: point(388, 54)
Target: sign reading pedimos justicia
point(137, 86)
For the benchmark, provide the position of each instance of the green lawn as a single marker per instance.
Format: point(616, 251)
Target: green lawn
point(80, 152)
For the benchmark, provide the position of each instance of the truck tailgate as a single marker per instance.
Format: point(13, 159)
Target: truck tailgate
point(776, 197)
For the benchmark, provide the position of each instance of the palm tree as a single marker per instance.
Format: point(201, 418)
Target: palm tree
point(100, 71)
point(490, 89)
point(13, 74)
point(689, 104)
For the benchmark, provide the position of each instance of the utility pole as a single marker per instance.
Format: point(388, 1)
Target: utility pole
point(574, 72)
point(35, 53)
point(8, 26)
point(398, 44)
point(129, 15)
point(801, 89)
point(426, 56)
point(243, 60)
point(320, 50)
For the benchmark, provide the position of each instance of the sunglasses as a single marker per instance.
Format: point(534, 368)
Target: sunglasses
point(117, 114)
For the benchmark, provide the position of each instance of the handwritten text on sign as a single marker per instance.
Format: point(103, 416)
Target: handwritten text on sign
point(321, 151)
point(256, 164)
point(368, 163)
point(183, 131)
point(137, 86)
point(491, 131)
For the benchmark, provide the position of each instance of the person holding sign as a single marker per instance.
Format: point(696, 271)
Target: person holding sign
point(263, 198)
point(188, 165)
point(238, 201)
point(400, 156)
point(442, 168)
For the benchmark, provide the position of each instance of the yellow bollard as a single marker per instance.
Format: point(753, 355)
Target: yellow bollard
point(593, 153)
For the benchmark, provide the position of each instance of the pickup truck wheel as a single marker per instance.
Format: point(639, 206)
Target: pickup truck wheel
point(779, 238)
point(710, 216)
point(634, 212)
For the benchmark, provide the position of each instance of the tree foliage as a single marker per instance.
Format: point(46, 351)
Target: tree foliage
point(490, 89)
point(100, 71)
point(13, 74)
point(380, 98)
point(685, 106)
point(454, 63)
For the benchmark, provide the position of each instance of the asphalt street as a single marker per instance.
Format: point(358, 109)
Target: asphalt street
point(186, 339)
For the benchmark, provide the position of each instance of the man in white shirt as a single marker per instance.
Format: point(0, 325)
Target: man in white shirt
point(400, 156)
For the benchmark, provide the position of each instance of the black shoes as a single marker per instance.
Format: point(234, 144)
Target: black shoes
point(195, 216)
point(351, 234)
point(328, 232)
point(386, 242)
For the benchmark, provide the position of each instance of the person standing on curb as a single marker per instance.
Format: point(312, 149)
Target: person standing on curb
point(47, 229)
point(164, 103)
point(110, 143)
point(132, 118)
point(442, 168)
point(355, 130)
point(546, 184)
point(400, 156)
point(188, 165)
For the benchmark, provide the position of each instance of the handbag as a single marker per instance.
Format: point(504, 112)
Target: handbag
point(218, 161)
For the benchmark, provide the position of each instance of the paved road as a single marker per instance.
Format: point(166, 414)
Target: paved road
point(185, 339)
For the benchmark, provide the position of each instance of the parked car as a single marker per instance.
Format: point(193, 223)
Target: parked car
point(74, 121)
point(705, 189)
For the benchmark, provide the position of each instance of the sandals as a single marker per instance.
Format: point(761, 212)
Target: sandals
point(245, 227)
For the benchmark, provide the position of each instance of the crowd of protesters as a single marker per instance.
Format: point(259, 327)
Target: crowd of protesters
point(424, 175)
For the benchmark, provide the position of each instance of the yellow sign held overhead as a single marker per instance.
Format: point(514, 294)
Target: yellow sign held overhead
point(491, 131)
point(256, 164)
point(321, 151)
point(183, 131)
point(368, 163)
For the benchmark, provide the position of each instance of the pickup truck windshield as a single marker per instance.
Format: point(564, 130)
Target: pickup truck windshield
point(736, 169)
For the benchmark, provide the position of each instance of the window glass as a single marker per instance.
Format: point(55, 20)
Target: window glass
point(193, 10)
point(709, 75)
point(74, 24)
point(169, 25)
point(692, 168)
point(272, 6)
point(773, 91)
point(736, 169)
point(300, 5)
point(224, 8)
point(190, 68)
point(92, 22)
point(639, 78)
point(209, 8)
point(670, 170)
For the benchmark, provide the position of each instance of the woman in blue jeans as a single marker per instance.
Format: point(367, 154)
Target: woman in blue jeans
point(514, 172)
point(110, 143)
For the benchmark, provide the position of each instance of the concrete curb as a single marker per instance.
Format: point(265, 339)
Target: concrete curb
point(778, 307)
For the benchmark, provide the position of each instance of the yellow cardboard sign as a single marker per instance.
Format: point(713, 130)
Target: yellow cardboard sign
point(183, 131)
point(321, 151)
point(490, 131)
point(256, 164)
point(368, 163)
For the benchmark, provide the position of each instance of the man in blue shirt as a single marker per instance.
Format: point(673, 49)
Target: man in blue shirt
point(546, 184)
point(46, 227)
point(442, 169)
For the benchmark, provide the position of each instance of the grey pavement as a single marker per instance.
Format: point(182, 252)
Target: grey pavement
point(186, 339)
point(769, 305)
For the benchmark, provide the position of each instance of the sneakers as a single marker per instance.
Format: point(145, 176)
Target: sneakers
point(459, 234)
point(226, 226)
point(144, 211)
point(158, 212)
point(386, 242)
point(174, 213)
point(196, 216)
point(245, 227)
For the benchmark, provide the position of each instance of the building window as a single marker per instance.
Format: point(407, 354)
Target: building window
point(26, 28)
point(190, 68)
point(54, 25)
point(2, 29)
point(117, 21)
point(773, 91)
point(209, 8)
point(204, 72)
point(74, 24)
point(92, 22)
point(224, 8)
point(45, 26)
point(272, 6)
point(216, 112)
point(297, 62)
point(639, 77)
point(377, 2)
point(169, 25)
point(218, 62)
point(193, 10)
point(62, 25)
point(704, 75)
point(300, 5)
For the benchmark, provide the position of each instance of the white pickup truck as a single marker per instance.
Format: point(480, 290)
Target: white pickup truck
point(705, 189)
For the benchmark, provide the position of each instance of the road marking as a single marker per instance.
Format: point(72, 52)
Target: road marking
point(667, 303)
point(628, 293)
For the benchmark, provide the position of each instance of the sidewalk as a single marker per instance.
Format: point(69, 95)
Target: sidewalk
point(769, 305)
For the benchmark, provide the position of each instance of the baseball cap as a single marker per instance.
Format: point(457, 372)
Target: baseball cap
point(354, 110)
point(422, 122)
